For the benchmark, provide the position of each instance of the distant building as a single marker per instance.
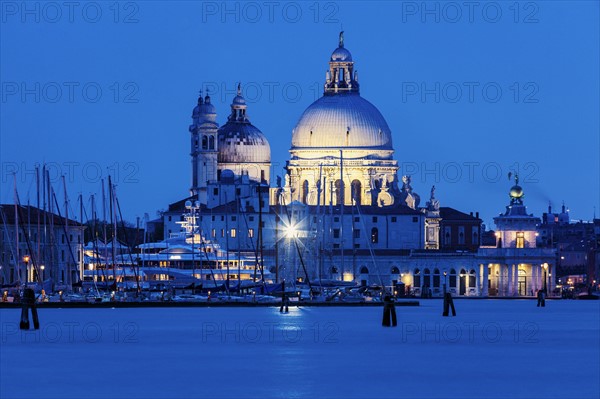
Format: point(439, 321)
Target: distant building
point(577, 244)
point(53, 245)
point(459, 231)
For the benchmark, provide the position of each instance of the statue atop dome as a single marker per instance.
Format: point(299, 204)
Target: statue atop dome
point(342, 39)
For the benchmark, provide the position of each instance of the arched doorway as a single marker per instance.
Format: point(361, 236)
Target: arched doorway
point(462, 289)
point(522, 282)
point(339, 192)
point(304, 192)
point(417, 280)
point(436, 279)
point(426, 279)
point(356, 191)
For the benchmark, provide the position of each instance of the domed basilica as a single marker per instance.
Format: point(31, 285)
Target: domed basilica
point(341, 196)
point(342, 148)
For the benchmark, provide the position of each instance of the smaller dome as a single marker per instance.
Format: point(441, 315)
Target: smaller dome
point(242, 143)
point(516, 192)
point(205, 111)
point(341, 54)
point(239, 100)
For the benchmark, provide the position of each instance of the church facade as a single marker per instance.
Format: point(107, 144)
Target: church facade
point(341, 212)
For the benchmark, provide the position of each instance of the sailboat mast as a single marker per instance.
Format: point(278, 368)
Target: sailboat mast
point(277, 237)
point(318, 246)
point(37, 192)
point(104, 224)
point(18, 258)
point(110, 216)
point(44, 249)
point(342, 201)
point(81, 254)
point(49, 193)
point(260, 233)
point(66, 224)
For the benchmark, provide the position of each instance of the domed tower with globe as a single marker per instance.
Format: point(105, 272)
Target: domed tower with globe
point(516, 228)
point(342, 146)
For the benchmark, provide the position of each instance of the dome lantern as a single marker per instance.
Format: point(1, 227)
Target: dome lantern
point(341, 76)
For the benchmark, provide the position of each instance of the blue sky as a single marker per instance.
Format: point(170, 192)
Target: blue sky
point(469, 94)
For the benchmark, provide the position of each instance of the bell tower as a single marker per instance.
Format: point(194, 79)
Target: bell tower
point(203, 147)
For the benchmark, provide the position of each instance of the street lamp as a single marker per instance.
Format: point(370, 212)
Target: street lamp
point(445, 281)
point(26, 261)
point(42, 267)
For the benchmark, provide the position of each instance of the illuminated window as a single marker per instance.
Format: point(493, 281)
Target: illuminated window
point(520, 239)
point(233, 232)
point(250, 233)
point(374, 235)
point(214, 233)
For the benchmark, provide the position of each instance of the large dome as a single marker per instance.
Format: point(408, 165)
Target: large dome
point(342, 120)
point(242, 143)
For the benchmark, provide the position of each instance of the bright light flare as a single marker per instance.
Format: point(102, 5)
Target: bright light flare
point(290, 231)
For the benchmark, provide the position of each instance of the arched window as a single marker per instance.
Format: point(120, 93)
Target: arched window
point(374, 235)
point(304, 192)
point(334, 270)
point(436, 278)
point(452, 281)
point(472, 280)
point(395, 270)
point(339, 191)
point(211, 143)
point(417, 278)
point(204, 143)
point(364, 270)
point(356, 191)
point(426, 278)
